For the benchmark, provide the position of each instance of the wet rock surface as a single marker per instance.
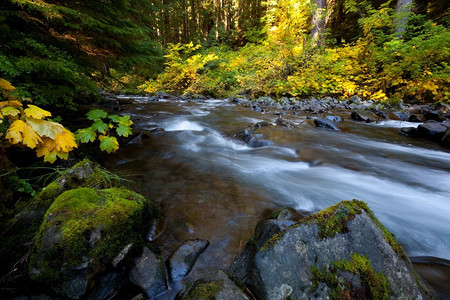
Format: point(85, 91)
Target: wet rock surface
point(431, 131)
point(183, 258)
point(149, 274)
point(307, 260)
point(83, 229)
point(325, 123)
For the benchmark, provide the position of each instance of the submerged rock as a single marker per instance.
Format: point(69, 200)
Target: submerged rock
point(149, 274)
point(217, 286)
point(184, 257)
point(248, 137)
point(83, 231)
point(334, 118)
point(325, 123)
point(342, 252)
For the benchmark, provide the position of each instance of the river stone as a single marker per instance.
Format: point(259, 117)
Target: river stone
point(184, 257)
point(250, 139)
point(285, 123)
point(431, 131)
point(217, 286)
point(355, 99)
point(409, 131)
point(334, 118)
point(325, 123)
point(433, 115)
point(65, 257)
point(446, 138)
point(398, 115)
point(341, 252)
point(380, 113)
point(149, 274)
point(415, 118)
point(125, 253)
point(107, 286)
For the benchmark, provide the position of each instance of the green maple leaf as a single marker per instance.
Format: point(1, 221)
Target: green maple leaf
point(96, 114)
point(9, 110)
point(108, 143)
point(123, 130)
point(125, 120)
point(85, 135)
point(114, 118)
point(99, 126)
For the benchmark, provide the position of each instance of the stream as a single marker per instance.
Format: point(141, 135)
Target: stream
point(213, 187)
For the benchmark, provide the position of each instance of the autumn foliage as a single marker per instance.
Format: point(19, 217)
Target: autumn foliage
point(28, 126)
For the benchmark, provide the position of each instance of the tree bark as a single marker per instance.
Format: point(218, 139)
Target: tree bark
point(403, 9)
point(318, 22)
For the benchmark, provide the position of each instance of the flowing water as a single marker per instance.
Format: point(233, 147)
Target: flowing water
point(216, 188)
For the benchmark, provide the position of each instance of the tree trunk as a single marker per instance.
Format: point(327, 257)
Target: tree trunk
point(403, 9)
point(318, 22)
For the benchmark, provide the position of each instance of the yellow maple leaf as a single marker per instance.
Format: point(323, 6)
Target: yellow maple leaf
point(45, 128)
point(6, 85)
point(35, 112)
point(45, 147)
point(13, 103)
point(21, 132)
point(65, 141)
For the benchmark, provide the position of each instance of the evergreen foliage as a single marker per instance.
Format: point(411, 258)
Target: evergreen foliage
point(54, 51)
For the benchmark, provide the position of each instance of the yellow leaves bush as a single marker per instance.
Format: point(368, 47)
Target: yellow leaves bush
point(29, 128)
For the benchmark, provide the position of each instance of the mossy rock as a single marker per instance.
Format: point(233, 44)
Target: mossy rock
point(84, 174)
point(83, 230)
point(215, 286)
point(342, 252)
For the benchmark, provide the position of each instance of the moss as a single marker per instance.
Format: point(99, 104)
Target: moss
point(204, 290)
point(83, 174)
point(270, 243)
point(334, 220)
point(373, 285)
point(88, 223)
point(330, 221)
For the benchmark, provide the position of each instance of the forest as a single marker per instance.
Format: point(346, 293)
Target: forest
point(133, 132)
point(60, 53)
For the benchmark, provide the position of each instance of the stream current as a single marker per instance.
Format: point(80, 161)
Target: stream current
point(213, 187)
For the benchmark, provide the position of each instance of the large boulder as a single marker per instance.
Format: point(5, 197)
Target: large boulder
point(342, 252)
point(83, 174)
point(83, 231)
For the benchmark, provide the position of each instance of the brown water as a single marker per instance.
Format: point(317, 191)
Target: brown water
point(216, 188)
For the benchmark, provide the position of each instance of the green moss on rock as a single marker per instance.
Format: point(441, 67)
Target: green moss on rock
point(373, 285)
point(84, 174)
point(87, 227)
point(204, 290)
point(334, 220)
